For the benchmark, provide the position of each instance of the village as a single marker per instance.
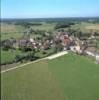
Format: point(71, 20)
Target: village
point(49, 49)
point(61, 41)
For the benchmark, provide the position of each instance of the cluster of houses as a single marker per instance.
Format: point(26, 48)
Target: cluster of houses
point(68, 43)
point(40, 44)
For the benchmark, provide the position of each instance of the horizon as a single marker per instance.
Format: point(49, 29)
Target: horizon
point(52, 17)
point(12, 9)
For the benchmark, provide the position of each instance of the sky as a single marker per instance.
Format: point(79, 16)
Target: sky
point(49, 8)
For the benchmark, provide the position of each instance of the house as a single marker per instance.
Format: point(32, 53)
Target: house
point(46, 45)
point(76, 49)
point(64, 39)
point(66, 42)
point(22, 43)
point(77, 46)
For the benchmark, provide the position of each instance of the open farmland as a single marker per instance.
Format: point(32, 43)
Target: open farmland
point(86, 27)
point(15, 35)
point(9, 56)
point(10, 28)
point(94, 27)
point(78, 77)
point(71, 77)
point(45, 26)
point(11, 31)
point(17, 31)
point(49, 49)
point(34, 82)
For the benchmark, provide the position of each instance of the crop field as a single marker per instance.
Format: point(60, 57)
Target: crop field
point(70, 77)
point(16, 31)
point(11, 31)
point(86, 27)
point(45, 26)
point(11, 28)
point(78, 77)
point(15, 35)
point(96, 27)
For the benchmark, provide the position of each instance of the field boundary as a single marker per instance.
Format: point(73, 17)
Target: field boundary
point(49, 58)
point(57, 55)
point(21, 65)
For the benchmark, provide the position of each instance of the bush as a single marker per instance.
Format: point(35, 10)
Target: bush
point(5, 63)
point(29, 57)
point(19, 58)
point(44, 52)
point(63, 25)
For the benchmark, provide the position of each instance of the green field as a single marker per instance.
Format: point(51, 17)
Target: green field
point(10, 28)
point(71, 77)
point(78, 77)
point(16, 31)
point(86, 27)
point(9, 56)
point(45, 26)
point(15, 35)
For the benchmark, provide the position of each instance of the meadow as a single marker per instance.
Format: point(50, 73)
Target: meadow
point(9, 56)
point(11, 31)
point(78, 76)
point(16, 31)
point(86, 27)
point(70, 77)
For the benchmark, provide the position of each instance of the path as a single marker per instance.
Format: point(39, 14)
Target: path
point(50, 57)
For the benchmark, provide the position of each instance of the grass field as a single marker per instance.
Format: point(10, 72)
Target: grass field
point(9, 56)
point(70, 77)
point(11, 28)
point(45, 26)
point(16, 31)
point(34, 82)
point(78, 76)
point(11, 31)
point(86, 27)
point(15, 35)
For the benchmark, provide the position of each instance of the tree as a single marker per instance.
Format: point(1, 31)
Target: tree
point(62, 26)
point(7, 44)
